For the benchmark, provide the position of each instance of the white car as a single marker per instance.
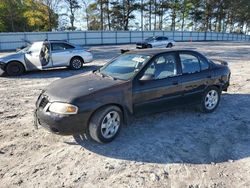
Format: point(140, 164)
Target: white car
point(43, 55)
point(157, 41)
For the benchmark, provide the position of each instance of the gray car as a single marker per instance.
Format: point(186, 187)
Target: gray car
point(43, 55)
point(156, 41)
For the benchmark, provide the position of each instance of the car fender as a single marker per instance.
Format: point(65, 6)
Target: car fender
point(120, 96)
point(13, 57)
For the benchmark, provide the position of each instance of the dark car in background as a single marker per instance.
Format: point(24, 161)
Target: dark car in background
point(139, 81)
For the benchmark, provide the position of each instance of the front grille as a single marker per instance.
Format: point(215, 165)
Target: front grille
point(43, 102)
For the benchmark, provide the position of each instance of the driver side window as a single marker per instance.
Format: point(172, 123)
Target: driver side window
point(162, 67)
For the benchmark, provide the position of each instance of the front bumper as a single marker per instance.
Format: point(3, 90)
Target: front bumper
point(58, 123)
point(2, 65)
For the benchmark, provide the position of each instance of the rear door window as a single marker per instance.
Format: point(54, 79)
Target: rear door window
point(189, 63)
point(61, 46)
point(204, 64)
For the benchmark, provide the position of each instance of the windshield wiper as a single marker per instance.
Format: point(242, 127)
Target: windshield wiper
point(105, 75)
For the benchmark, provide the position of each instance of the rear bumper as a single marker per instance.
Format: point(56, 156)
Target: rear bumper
point(225, 86)
point(88, 58)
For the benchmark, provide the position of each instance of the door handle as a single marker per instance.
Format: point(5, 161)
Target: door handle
point(175, 83)
point(209, 76)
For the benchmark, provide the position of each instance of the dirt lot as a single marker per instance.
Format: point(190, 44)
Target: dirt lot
point(180, 148)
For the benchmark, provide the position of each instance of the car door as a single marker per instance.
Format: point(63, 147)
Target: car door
point(32, 56)
point(158, 41)
point(164, 41)
point(195, 77)
point(45, 55)
point(61, 53)
point(162, 90)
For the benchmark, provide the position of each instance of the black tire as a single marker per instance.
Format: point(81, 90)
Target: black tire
point(76, 63)
point(170, 45)
point(95, 125)
point(149, 46)
point(14, 69)
point(204, 106)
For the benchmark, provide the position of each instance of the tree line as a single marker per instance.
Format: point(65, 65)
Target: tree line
point(196, 15)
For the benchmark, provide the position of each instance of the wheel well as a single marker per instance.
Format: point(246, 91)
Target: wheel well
point(219, 87)
point(111, 104)
point(15, 62)
point(77, 56)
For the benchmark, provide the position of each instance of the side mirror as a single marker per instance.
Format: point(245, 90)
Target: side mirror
point(146, 77)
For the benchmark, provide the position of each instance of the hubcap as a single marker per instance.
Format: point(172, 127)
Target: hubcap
point(15, 69)
point(211, 99)
point(76, 63)
point(110, 124)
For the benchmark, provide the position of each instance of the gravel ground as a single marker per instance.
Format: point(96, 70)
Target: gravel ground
point(179, 148)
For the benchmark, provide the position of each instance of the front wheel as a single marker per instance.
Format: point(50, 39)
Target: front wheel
point(105, 124)
point(14, 69)
point(76, 63)
point(210, 100)
point(149, 46)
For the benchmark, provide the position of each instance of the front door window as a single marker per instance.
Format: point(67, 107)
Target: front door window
point(162, 67)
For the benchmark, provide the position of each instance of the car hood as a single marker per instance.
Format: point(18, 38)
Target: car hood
point(71, 88)
point(11, 56)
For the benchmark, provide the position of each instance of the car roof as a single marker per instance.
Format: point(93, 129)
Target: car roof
point(156, 51)
point(56, 41)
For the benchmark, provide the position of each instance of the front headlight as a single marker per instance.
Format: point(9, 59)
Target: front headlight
point(63, 108)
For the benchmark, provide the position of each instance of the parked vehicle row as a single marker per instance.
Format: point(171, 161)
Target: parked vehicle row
point(99, 103)
point(57, 53)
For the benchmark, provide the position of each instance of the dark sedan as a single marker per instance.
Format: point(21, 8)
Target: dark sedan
point(138, 81)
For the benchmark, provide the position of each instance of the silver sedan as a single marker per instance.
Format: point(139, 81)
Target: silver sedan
point(43, 55)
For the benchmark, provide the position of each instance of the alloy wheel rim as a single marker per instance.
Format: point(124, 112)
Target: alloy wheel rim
point(211, 99)
point(76, 64)
point(110, 124)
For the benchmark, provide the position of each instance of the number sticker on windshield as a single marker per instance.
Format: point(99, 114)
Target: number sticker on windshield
point(138, 59)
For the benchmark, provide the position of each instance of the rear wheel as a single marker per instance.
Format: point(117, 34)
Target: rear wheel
point(14, 69)
point(210, 100)
point(170, 45)
point(76, 63)
point(149, 46)
point(105, 124)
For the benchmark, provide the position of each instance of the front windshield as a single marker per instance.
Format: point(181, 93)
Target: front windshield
point(24, 50)
point(125, 66)
point(35, 47)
